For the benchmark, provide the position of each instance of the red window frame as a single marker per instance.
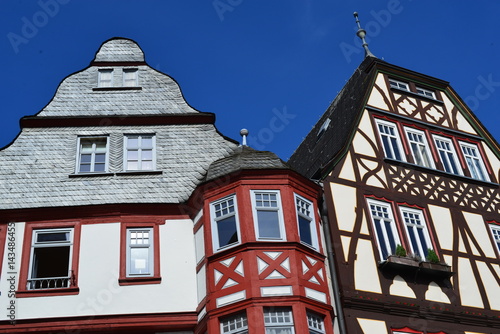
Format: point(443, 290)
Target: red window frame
point(156, 277)
point(26, 259)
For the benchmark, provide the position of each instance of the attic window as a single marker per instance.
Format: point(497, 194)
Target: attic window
point(105, 78)
point(426, 93)
point(130, 77)
point(323, 128)
point(399, 84)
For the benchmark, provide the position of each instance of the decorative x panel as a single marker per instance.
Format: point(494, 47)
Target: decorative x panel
point(273, 265)
point(312, 270)
point(228, 272)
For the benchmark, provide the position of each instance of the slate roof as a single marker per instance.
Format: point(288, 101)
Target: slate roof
point(37, 169)
point(314, 153)
point(244, 158)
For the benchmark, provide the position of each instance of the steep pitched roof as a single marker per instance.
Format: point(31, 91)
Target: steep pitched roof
point(315, 152)
point(244, 158)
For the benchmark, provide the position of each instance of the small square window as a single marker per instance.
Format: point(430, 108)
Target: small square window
point(225, 229)
point(92, 155)
point(426, 93)
point(130, 77)
point(50, 263)
point(399, 84)
point(105, 78)
point(140, 152)
point(235, 324)
point(267, 215)
point(278, 320)
point(315, 323)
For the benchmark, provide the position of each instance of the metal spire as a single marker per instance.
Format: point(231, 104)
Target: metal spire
point(361, 34)
point(244, 134)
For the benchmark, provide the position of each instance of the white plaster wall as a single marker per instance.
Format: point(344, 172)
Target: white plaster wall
point(443, 225)
point(492, 287)
point(469, 291)
point(462, 122)
point(343, 199)
point(376, 98)
point(481, 233)
point(371, 326)
point(99, 266)
point(366, 277)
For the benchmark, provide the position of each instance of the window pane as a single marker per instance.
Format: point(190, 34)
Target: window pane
point(132, 165)
point(85, 168)
point(139, 260)
point(99, 167)
point(147, 165)
point(268, 224)
point(147, 155)
point(132, 155)
point(305, 230)
point(50, 262)
point(49, 237)
point(86, 158)
point(227, 232)
point(100, 158)
point(147, 142)
point(132, 142)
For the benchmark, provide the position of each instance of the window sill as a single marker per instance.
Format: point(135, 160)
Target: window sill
point(47, 292)
point(139, 280)
point(415, 267)
point(140, 172)
point(443, 173)
point(404, 91)
point(90, 174)
point(115, 88)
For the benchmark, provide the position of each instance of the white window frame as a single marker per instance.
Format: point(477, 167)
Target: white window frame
point(416, 231)
point(39, 283)
point(399, 85)
point(102, 82)
point(215, 220)
point(130, 82)
point(315, 323)
point(450, 155)
point(381, 232)
point(92, 162)
point(306, 213)
point(393, 140)
point(234, 324)
point(474, 161)
point(495, 234)
point(139, 149)
point(149, 246)
point(279, 214)
point(274, 319)
point(422, 148)
point(426, 92)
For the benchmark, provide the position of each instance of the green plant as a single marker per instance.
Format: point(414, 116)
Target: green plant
point(400, 251)
point(432, 256)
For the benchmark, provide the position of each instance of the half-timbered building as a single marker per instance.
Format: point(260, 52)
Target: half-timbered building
point(411, 195)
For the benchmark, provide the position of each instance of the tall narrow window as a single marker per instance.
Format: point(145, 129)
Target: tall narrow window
point(92, 156)
point(385, 227)
point(224, 222)
point(391, 142)
point(447, 155)
point(305, 218)
point(278, 320)
point(105, 78)
point(130, 77)
point(419, 148)
point(474, 161)
point(315, 323)
point(267, 214)
point(235, 324)
point(140, 252)
point(495, 231)
point(140, 152)
point(416, 230)
point(50, 264)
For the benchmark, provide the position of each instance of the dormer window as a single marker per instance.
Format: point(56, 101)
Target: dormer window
point(130, 77)
point(323, 128)
point(92, 155)
point(399, 84)
point(105, 78)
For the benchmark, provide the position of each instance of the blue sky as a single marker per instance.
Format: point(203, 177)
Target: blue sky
point(272, 67)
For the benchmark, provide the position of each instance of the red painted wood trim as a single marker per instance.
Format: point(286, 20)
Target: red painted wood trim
point(158, 322)
point(136, 120)
point(26, 258)
point(156, 278)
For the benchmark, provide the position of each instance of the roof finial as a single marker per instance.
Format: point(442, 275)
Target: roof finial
point(244, 134)
point(361, 34)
